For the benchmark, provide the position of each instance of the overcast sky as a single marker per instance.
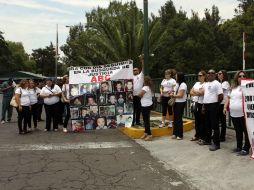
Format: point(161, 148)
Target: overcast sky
point(33, 22)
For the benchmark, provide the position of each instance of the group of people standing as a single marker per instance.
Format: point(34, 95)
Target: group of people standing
point(213, 97)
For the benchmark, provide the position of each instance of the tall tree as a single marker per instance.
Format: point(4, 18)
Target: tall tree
point(5, 55)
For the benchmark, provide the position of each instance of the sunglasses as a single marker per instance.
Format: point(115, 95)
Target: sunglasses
point(219, 73)
point(241, 76)
point(200, 75)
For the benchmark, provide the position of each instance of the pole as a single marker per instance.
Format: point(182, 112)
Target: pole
point(146, 47)
point(244, 38)
point(56, 57)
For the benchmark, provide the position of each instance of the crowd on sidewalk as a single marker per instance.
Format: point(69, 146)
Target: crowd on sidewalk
point(212, 98)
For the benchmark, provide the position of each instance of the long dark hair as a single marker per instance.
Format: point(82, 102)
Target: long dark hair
point(225, 76)
point(180, 78)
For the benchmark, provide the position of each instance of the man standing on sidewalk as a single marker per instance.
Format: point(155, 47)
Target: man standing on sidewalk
point(8, 90)
point(138, 81)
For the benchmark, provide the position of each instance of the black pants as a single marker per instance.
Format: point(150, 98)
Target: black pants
point(165, 107)
point(136, 110)
point(178, 119)
point(61, 111)
point(240, 129)
point(52, 113)
point(222, 120)
point(39, 111)
point(23, 116)
point(34, 112)
point(68, 115)
point(212, 123)
point(200, 123)
point(146, 117)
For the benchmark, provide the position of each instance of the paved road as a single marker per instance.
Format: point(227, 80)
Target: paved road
point(104, 159)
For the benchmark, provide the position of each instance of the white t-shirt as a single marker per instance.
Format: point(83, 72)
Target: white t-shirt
point(146, 100)
point(236, 102)
point(196, 87)
point(138, 81)
point(25, 96)
point(33, 95)
point(183, 86)
point(212, 90)
point(65, 90)
point(47, 90)
point(168, 86)
point(225, 87)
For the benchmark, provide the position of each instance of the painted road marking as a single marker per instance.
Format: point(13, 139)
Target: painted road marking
point(64, 146)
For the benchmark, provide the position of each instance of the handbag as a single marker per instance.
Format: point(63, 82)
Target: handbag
point(194, 107)
point(13, 102)
point(171, 101)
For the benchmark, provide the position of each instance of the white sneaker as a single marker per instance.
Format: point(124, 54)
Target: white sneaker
point(65, 130)
point(170, 124)
point(2, 122)
point(162, 124)
point(29, 129)
point(55, 130)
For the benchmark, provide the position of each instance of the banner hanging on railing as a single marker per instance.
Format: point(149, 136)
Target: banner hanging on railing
point(248, 99)
point(101, 96)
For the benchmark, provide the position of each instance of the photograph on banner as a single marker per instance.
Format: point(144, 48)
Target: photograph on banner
point(248, 104)
point(77, 125)
point(111, 98)
point(101, 122)
point(112, 124)
point(101, 99)
point(102, 96)
point(74, 111)
point(118, 86)
point(77, 101)
point(128, 85)
point(74, 90)
point(121, 98)
point(85, 88)
point(105, 87)
point(89, 123)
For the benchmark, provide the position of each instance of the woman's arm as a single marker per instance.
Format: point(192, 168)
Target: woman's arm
point(141, 94)
point(17, 98)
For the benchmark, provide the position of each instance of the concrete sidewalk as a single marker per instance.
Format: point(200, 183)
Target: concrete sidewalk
point(202, 168)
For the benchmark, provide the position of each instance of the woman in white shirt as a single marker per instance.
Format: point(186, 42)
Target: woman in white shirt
point(234, 101)
point(66, 98)
point(146, 106)
point(198, 99)
point(23, 109)
point(167, 86)
point(180, 95)
point(34, 93)
point(51, 94)
point(223, 79)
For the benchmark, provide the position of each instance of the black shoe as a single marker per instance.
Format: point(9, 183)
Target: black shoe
point(236, 150)
point(138, 123)
point(204, 143)
point(214, 147)
point(243, 153)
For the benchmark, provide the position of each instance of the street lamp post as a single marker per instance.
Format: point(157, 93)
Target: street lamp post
point(56, 57)
point(146, 47)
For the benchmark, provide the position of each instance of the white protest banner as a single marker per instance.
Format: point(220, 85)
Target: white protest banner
point(248, 102)
point(101, 97)
point(100, 73)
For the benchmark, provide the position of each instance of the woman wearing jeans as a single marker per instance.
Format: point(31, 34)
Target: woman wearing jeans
point(146, 106)
point(23, 109)
point(180, 95)
point(234, 101)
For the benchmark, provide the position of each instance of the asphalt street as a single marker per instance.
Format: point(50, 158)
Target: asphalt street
point(101, 159)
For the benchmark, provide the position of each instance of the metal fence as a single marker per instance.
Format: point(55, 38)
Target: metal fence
point(190, 81)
